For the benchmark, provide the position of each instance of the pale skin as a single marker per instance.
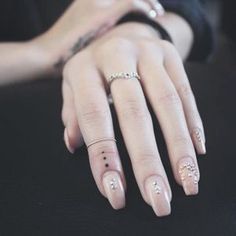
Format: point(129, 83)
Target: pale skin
point(131, 47)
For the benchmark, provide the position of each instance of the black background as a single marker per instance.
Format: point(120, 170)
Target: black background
point(46, 191)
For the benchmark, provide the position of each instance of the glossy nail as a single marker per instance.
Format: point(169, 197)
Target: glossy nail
point(189, 175)
point(159, 8)
point(114, 189)
point(199, 141)
point(158, 195)
point(67, 142)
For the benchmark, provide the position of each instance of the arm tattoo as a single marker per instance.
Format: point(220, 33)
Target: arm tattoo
point(80, 44)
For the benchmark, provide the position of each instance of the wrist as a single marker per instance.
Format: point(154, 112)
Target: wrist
point(46, 56)
point(135, 30)
point(149, 21)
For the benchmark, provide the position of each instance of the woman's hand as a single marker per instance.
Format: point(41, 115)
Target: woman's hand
point(134, 47)
point(83, 22)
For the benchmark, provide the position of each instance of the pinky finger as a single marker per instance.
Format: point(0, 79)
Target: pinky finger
point(72, 134)
point(176, 71)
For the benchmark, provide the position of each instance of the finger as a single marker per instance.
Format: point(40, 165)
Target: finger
point(157, 8)
point(121, 8)
point(135, 5)
point(95, 121)
point(137, 129)
point(168, 108)
point(175, 69)
point(72, 134)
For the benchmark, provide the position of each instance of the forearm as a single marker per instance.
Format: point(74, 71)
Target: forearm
point(23, 61)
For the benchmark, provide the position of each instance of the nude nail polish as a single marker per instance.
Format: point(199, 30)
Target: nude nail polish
point(114, 189)
point(66, 139)
point(199, 141)
point(158, 195)
point(189, 175)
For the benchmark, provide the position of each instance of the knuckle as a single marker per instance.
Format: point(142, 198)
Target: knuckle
point(75, 63)
point(185, 90)
point(170, 51)
point(182, 142)
point(148, 45)
point(145, 158)
point(132, 109)
point(92, 112)
point(117, 44)
point(181, 139)
point(166, 45)
point(169, 98)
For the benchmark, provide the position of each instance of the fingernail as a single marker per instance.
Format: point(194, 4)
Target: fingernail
point(66, 139)
point(158, 195)
point(199, 141)
point(159, 8)
point(114, 189)
point(189, 176)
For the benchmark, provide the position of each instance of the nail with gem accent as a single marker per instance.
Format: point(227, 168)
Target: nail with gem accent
point(158, 195)
point(199, 141)
point(189, 175)
point(67, 142)
point(152, 14)
point(159, 8)
point(114, 189)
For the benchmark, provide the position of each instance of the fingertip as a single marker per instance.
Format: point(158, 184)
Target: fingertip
point(114, 189)
point(67, 142)
point(199, 141)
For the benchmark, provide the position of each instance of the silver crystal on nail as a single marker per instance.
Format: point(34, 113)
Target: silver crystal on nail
point(157, 188)
point(113, 184)
point(189, 170)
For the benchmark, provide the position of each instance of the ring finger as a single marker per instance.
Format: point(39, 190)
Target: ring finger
point(169, 111)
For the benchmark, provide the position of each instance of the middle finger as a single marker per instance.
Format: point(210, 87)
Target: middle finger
point(137, 129)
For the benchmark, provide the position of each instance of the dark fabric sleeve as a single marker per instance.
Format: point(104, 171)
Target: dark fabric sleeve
point(194, 14)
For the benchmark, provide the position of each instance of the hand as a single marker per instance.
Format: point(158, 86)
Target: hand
point(84, 21)
point(134, 47)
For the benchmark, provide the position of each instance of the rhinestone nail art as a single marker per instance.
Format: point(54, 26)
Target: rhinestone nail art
point(199, 141)
point(157, 195)
point(114, 189)
point(198, 135)
point(113, 184)
point(157, 188)
point(189, 170)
